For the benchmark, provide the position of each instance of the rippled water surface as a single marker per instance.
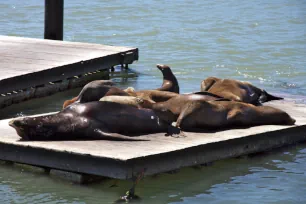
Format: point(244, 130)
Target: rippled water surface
point(263, 42)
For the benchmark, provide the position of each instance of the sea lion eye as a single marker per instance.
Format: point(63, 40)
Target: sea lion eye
point(139, 100)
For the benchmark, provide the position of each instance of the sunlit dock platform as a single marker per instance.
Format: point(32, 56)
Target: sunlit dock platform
point(33, 68)
point(122, 160)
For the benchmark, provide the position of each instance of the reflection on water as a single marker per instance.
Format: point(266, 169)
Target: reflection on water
point(263, 42)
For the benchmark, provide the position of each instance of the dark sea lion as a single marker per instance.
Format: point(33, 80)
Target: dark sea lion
point(192, 112)
point(237, 90)
point(93, 120)
point(169, 80)
point(95, 90)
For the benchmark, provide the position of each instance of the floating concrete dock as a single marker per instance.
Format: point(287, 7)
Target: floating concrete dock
point(36, 67)
point(122, 160)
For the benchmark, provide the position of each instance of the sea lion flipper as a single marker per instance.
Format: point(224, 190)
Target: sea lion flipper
point(236, 115)
point(99, 134)
point(206, 93)
point(222, 99)
point(208, 83)
point(175, 132)
point(186, 111)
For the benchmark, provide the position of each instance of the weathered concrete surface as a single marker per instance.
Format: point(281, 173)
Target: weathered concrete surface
point(122, 160)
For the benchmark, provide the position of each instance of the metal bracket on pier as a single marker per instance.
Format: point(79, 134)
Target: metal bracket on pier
point(130, 194)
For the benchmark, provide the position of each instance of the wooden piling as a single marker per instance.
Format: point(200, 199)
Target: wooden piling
point(54, 19)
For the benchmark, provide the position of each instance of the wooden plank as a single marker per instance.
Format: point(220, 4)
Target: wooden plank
point(54, 74)
point(27, 62)
point(123, 159)
point(21, 40)
point(52, 55)
point(21, 68)
point(10, 59)
point(6, 47)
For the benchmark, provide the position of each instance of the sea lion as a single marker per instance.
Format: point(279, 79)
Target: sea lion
point(155, 96)
point(128, 100)
point(169, 88)
point(95, 90)
point(136, 101)
point(151, 95)
point(169, 80)
point(170, 109)
point(93, 120)
point(237, 90)
point(192, 112)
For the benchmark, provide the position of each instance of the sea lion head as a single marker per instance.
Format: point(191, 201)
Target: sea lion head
point(163, 68)
point(33, 128)
point(131, 91)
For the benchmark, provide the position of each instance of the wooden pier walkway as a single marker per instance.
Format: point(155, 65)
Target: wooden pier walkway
point(28, 63)
point(122, 160)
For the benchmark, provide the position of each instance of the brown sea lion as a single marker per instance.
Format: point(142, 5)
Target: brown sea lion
point(170, 109)
point(237, 90)
point(138, 101)
point(95, 90)
point(169, 80)
point(191, 112)
point(93, 120)
point(163, 93)
point(151, 95)
point(128, 100)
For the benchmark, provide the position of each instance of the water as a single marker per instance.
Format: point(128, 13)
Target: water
point(261, 42)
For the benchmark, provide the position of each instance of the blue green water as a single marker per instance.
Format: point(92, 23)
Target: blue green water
point(263, 42)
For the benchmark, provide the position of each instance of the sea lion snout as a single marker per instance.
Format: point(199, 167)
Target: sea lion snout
point(11, 123)
point(18, 124)
point(162, 66)
point(129, 90)
point(291, 121)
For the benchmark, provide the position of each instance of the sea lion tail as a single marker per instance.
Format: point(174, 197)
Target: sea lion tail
point(99, 134)
point(265, 97)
